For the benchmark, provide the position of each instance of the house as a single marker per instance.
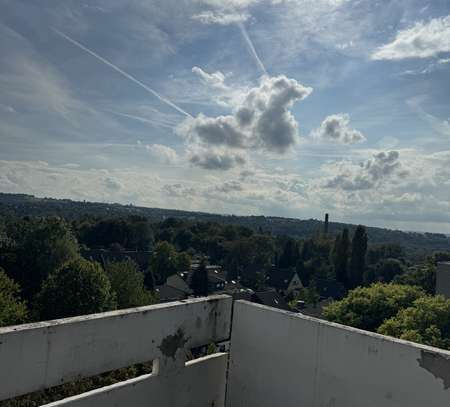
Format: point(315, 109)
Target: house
point(167, 293)
point(284, 281)
point(216, 276)
point(174, 289)
point(271, 299)
point(176, 281)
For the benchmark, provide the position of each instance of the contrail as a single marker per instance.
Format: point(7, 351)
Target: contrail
point(252, 49)
point(142, 119)
point(123, 73)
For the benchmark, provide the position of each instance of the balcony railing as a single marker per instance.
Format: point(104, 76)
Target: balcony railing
point(276, 359)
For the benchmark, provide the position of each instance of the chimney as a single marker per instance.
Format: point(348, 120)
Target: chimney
point(326, 224)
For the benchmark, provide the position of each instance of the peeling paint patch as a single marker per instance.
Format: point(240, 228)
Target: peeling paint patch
point(438, 365)
point(171, 343)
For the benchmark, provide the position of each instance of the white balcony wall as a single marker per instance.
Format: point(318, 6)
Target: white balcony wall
point(200, 384)
point(282, 359)
point(45, 354)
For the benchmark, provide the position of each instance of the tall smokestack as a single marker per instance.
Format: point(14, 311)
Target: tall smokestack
point(326, 224)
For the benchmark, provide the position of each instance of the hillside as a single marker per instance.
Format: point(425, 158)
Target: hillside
point(28, 205)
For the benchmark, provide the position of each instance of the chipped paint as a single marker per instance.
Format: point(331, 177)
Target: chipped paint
point(437, 364)
point(171, 343)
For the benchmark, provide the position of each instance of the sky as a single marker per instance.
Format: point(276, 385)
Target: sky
point(251, 107)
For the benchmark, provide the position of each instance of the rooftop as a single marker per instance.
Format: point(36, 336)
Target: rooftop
point(270, 358)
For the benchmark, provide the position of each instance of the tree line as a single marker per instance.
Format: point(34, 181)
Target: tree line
point(43, 275)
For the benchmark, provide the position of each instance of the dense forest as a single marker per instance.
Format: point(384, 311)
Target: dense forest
point(414, 244)
point(44, 275)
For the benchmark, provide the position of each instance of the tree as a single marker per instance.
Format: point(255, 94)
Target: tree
point(384, 271)
point(290, 254)
point(340, 257)
point(358, 259)
point(367, 307)
point(423, 276)
point(427, 321)
point(163, 261)
point(378, 252)
point(12, 309)
point(78, 288)
point(128, 284)
point(47, 246)
point(183, 261)
point(199, 280)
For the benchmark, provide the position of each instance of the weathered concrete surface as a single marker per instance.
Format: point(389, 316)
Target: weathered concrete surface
point(443, 279)
point(41, 355)
point(200, 384)
point(284, 359)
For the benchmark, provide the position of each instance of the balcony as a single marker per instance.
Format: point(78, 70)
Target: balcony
point(275, 358)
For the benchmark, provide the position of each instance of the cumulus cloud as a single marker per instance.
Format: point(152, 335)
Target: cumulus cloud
point(215, 79)
point(262, 121)
point(367, 175)
point(216, 159)
point(336, 128)
point(423, 40)
point(162, 153)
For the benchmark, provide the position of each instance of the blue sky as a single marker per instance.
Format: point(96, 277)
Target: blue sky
point(275, 107)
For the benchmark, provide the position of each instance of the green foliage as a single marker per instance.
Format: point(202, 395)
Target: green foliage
point(70, 389)
point(423, 276)
point(132, 232)
point(358, 259)
point(128, 284)
point(12, 309)
point(340, 256)
point(46, 246)
point(290, 255)
point(384, 271)
point(368, 307)
point(199, 280)
point(249, 258)
point(78, 288)
point(163, 262)
point(427, 321)
point(184, 261)
point(309, 295)
point(441, 256)
point(378, 252)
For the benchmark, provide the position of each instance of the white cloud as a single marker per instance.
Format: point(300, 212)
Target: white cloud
point(215, 79)
point(216, 158)
point(220, 17)
point(221, 93)
point(336, 128)
point(162, 153)
point(367, 175)
point(261, 122)
point(423, 40)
